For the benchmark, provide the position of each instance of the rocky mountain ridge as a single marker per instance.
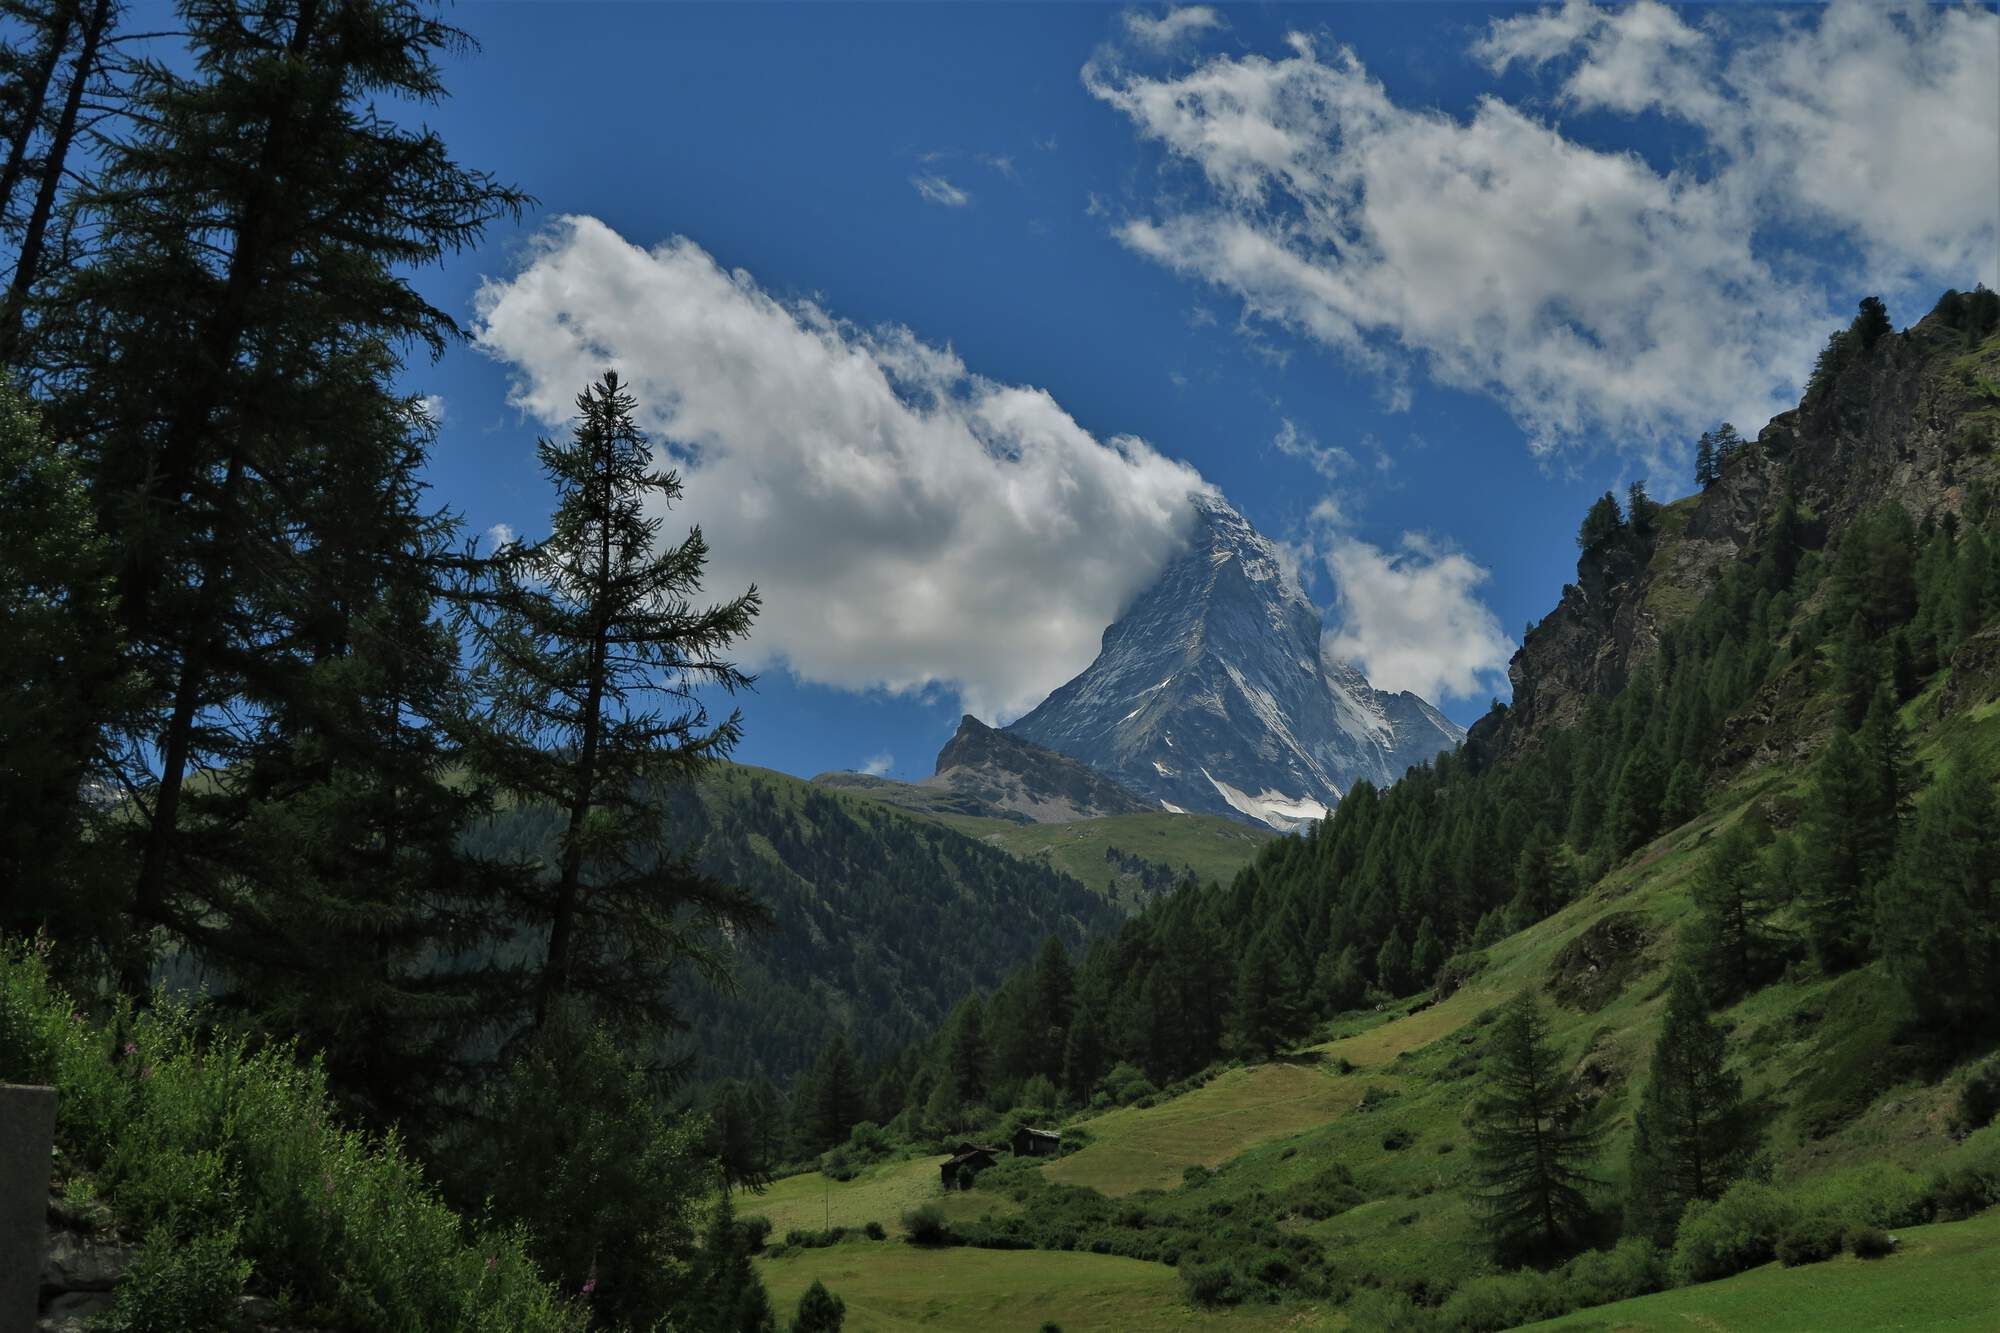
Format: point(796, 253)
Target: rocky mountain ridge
point(985, 771)
point(1912, 417)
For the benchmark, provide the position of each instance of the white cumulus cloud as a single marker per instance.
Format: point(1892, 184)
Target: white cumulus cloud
point(1411, 618)
point(910, 523)
point(877, 765)
point(1593, 294)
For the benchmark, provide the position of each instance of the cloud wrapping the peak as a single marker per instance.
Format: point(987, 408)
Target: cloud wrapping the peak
point(1412, 620)
point(911, 524)
point(1594, 295)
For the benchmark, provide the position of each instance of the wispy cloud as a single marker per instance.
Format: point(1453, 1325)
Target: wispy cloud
point(876, 765)
point(938, 190)
point(1171, 28)
point(1595, 296)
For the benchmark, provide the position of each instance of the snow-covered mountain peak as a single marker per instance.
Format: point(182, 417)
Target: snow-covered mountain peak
point(1212, 692)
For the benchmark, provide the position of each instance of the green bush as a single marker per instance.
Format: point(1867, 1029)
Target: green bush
point(1125, 1084)
point(1509, 1300)
point(874, 1231)
point(1979, 1099)
point(755, 1231)
point(1211, 1283)
point(191, 1138)
point(925, 1225)
point(1866, 1242)
point(1324, 1194)
point(1738, 1231)
point(179, 1286)
point(1631, 1268)
point(1971, 1183)
point(1809, 1238)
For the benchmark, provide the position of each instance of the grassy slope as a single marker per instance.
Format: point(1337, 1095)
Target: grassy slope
point(891, 1288)
point(881, 1193)
point(1941, 1277)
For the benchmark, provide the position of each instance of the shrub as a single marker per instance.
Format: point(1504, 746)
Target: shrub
point(874, 1231)
point(180, 1286)
point(1211, 1284)
point(1632, 1268)
point(1809, 1238)
point(1488, 1304)
point(1972, 1183)
point(925, 1225)
point(1738, 1231)
point(754, 1231)
point(1324, 1194)
point(837, 1166)
point(1866, 1242)
point(1397, 1139)
point(345, 1221)
point(1979, 1099)
point(1127, 1083)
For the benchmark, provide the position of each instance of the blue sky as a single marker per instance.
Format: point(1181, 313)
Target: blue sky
point(1408, 287)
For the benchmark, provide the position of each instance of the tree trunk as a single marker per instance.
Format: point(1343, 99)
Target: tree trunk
point(30, 258)
point(37, 97)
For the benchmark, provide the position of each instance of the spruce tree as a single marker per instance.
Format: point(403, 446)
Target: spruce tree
point(1268, 1012)
point(967, 1055)
point(1534, 1138)
point(60, 682)
point(1054, 996)
point(594, 653)
point(1426, 955)
point(235, 335)
point(1339, 982)
point(1084, 1057)
point(836, 1105)
point(1392, 964)
point(1733, 940)
point(1690, 1134)
point(820, 1311)
point(726, 1295)
point(1704, 460)
point(1634, 814)
point(1938, 912)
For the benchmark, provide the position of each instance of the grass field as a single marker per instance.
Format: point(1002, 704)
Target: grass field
point(1134, 1149)
point(812, 1202)
point(1941, 1277)
point(891, 1287)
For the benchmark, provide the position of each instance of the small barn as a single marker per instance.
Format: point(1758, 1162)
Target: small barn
point(1037, 1142)
point(968, 1161)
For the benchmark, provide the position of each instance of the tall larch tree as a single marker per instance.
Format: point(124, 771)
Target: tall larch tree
point(1535, 1138)
point(592, 656)
point(1690, 1136)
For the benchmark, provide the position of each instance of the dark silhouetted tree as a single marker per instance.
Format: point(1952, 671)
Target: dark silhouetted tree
point(1535, 1138)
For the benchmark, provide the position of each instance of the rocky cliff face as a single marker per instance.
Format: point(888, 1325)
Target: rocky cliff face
point(1211, 694)
point(1012, 774)
point(1914, 419)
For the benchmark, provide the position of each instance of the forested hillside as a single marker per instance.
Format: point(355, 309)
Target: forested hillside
point(1710, 920)
point(879, 921)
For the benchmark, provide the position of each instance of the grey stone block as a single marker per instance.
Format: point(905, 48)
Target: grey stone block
point(27, 1136)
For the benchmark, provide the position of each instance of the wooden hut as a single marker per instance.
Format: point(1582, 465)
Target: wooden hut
point(1037, 1142)
point(968, 1161)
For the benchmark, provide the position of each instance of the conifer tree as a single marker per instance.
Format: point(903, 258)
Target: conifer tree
point(820, 1311)
point(966, 1054)
point(1704, 460)
point(59, 681)
point(836, 1093)
point(1084, 1057)
point(1339, 981)
point(1690, 1135)
point(242, 315)
point(1426, 955)
point(589, 628)
point(1392, 964)
point(1268, 1013)
point(1684, 795)
point(1732, 938)
point(726, 1294)
point(1938, 914)
point(1054, 995)
point(1634, 813)
point(1840, 855)
point(1604, 524)
point(1534, 1138)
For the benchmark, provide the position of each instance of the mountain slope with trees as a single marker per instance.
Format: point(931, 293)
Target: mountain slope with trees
point(1716, 905)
